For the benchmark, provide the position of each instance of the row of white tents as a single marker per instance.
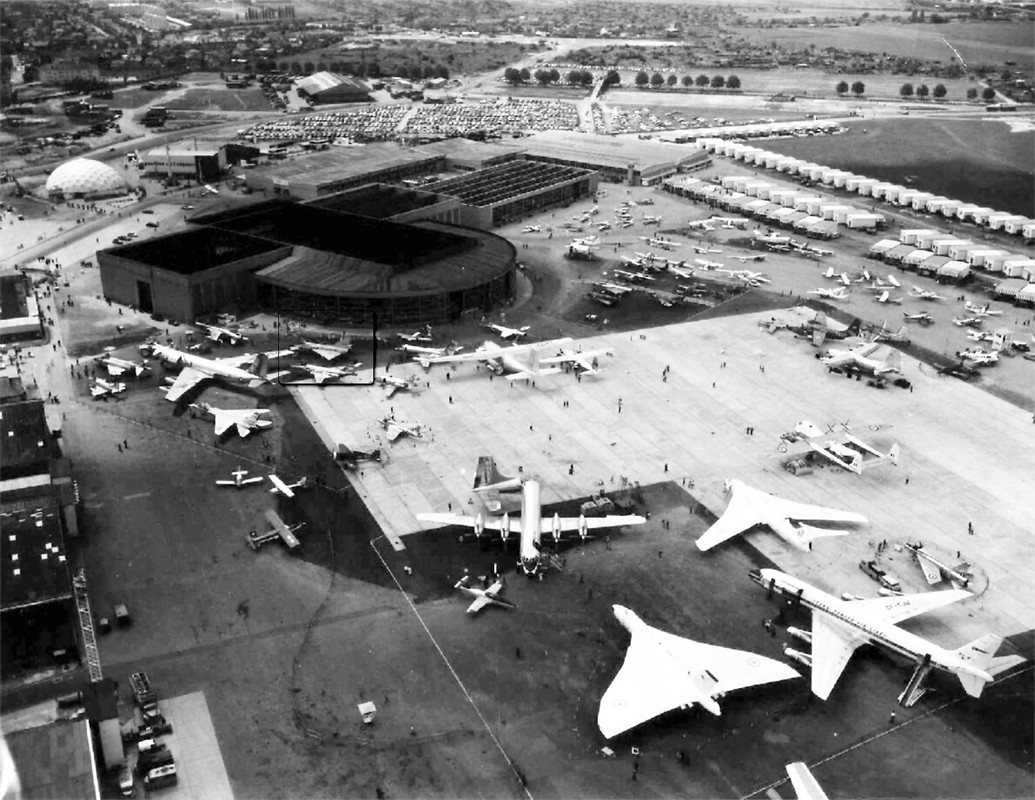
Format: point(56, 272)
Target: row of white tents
point(890, 193)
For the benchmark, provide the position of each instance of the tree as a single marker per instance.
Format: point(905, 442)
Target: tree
point(542, 76)
point(858, 88)
point(441, 71)
point(296, 68)
point(586, 77)
point(555, 76)
point(940, 91)
point(308, 68)
point(842, 87)
point(687, 80)
point(613, 78)
point(701, 80)
point(526, 76)
point(573, 77)
point(906, 90)
point(718, 82)
point(642, 78)
point(656, 80)
point(922, 91)
point(972, 93)
point(733, 82)
point(512, 76)
point(988, 94)
point(672, 80)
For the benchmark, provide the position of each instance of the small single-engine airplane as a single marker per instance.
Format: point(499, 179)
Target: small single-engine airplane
point(830, 294)
point(278, 530)
point(981, 311)
point(885, 297)
point(662, 672)
point(750, 507)
point(417, 336)
point(287, 489)
point(922, 317)
point(746, 259)
point(239, 481)
point(483, 597)
point(966, 322)
point(925, 294)
point(245, 420)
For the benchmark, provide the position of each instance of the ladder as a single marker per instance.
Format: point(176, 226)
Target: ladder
point(82, 602)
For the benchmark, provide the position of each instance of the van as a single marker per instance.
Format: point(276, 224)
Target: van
point(125, 781)
point(160, 777)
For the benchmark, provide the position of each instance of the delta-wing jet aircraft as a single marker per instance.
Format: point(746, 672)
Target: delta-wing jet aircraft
point(935, 570)
point(245, 420)
point(483, 597)
point(924, 294)
point(830, 294)
point(395, 428)
point(508, 333)
point(325, 350)
point(841, 626)
point(750, 507)
point(117, 367)
point(103, 388)
point(662, 672)
point(195, 369)
point(217, 334)
point(865, 358)
point(286, 489)
point(531, 527)
point(239, 481)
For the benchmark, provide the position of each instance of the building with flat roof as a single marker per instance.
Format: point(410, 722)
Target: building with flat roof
point(311, 176)
point(202, 163)
point(467, 154)
point(618, 159)
point(514, 189)
point(55, 762)
point(322, 88)
point(394, 203)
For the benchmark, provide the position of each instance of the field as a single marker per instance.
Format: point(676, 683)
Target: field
point(980, 161)
point(978, 42)
point(221, 100)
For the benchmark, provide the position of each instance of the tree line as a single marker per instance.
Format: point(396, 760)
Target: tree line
point(702, 81)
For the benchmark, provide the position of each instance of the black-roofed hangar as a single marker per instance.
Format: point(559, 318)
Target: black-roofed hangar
point(316, 262)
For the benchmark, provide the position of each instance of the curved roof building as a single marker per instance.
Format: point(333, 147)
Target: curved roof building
point(85, 178)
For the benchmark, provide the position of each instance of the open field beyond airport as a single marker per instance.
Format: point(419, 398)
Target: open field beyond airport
point(221, 100)
point(980, 161)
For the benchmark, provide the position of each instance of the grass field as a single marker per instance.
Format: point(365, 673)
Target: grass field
point(221, 100)
point(978, 42)
point(979, 161)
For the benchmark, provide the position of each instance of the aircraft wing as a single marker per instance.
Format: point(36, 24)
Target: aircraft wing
point(648, 684)
point(226, 483)
point(932, 572)
point(223, 421)
point(243, 428)
point(738, 517)
point(114, 369)
point(393, 432)
point(325, 353)
point(832, 645)
point(805, 786)
point(392, 389)
point(185, 381)
point(479, 603)
point(280, 486)
point(896, 609)
point(592, 523)
point(451, 519)
point(733, 669)
point(804, 511)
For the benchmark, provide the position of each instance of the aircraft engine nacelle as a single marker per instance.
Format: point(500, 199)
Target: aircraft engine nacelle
point(479, 525)
point(583, 527)
point(505, 528)
point(556, 527)
point(798, 633)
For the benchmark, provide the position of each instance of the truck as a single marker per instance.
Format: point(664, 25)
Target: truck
point(884, 578)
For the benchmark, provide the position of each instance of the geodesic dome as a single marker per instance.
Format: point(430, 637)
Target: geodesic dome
point(86, 178)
